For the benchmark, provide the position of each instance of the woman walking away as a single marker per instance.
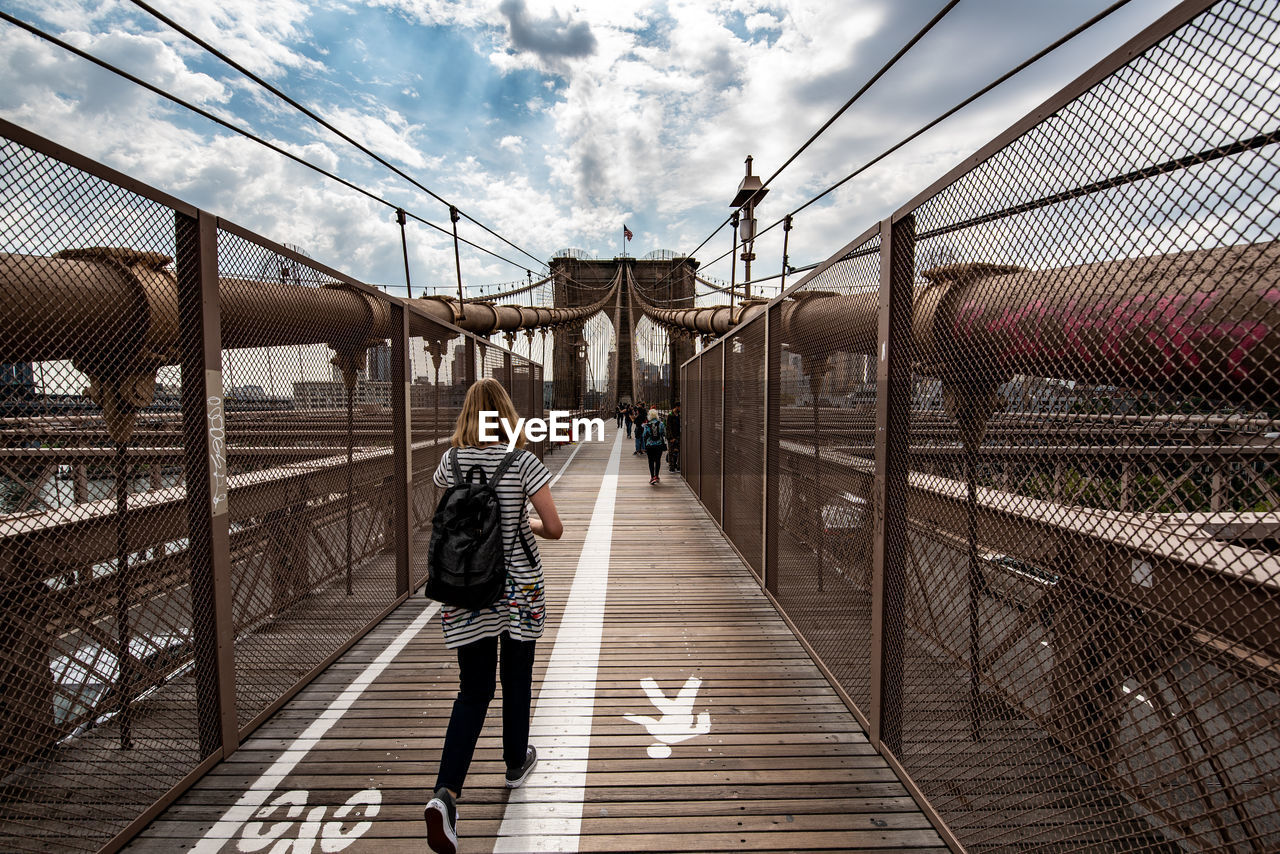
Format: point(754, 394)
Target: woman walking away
point(655, 442)
point(511, 625)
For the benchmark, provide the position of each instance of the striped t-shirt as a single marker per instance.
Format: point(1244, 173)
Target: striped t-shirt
point(522, 609)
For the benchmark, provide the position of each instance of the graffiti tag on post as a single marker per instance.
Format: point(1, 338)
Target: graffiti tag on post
point(217, 456)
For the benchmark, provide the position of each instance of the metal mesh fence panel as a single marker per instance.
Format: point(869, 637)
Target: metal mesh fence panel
point(1090, 646)
point(825, 462)
point(309, 465)
point(538, 407)
point(124, 525)
point(1067, 633)
point(712, 425)
point(435, 398)
point(95, 609)
point(691, 440)
point(522, 391)
point(653, 364)
point(494, 365)
point(744, 432)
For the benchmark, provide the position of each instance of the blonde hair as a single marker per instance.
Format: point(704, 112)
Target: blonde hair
point(653, 415)
point(484, 395)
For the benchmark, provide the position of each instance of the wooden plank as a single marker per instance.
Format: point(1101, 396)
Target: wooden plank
point(782, 767)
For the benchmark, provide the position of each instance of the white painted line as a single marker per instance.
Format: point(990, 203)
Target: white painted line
point(256, 795)
point(546, 814)
point(565, 467)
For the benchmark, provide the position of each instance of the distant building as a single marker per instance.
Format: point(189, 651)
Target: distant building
point(17, 381)
point(1039, 394)
point(380, 363)
point(459, 364)
point(361, 375)
point(322, 394)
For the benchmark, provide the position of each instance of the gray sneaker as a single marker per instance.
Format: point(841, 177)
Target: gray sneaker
point(441, 816)
point(517, 776)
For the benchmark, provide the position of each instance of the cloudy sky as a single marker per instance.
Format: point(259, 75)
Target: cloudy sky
point(553, 122)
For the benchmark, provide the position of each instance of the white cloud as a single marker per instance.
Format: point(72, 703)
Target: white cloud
point(152, 60)
point(257, 35)
point(389, 134)
point(761, 21)
point(651, 126)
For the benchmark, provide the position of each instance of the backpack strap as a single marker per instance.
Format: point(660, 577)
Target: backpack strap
point(507, 460)
point(497, 476)
point(524, 544)
point(453, 465)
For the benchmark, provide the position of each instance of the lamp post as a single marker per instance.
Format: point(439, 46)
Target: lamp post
point(749, 194)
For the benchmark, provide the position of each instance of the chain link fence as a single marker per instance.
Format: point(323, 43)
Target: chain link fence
point(1020, 493)
point(215, 475)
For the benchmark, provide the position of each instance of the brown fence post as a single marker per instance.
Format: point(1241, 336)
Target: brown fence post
point(469, 369)
point(205, 464)
point(724, 431)
point(772, 428)
point(702, 420)
point(401, 446)
point(772, 410)
point(889, 550)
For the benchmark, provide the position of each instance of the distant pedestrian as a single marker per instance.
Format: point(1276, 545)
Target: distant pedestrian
point(628, 416)
point(511, 625)
point(640, 418)
point(655, 442)
point(673, 438)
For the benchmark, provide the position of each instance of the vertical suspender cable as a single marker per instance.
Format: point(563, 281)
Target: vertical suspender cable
point(786, 239)
point(457, 262)
point(404, 248)
point(733, 258)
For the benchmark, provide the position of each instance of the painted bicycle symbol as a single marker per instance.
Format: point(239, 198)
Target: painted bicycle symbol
point(333, 835)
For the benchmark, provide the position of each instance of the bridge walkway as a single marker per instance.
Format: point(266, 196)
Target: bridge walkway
point(642, 587)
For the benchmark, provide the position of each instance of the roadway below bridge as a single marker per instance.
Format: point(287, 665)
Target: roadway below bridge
point(649, 608)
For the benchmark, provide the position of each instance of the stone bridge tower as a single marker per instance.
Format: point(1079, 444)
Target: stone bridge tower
point(581, 281)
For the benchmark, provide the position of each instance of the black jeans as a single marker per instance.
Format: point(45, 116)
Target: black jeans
point(476, 664)
point(673, 453)
point(655, 459)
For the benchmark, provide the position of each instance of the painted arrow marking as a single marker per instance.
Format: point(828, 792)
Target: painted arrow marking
point(677, 723)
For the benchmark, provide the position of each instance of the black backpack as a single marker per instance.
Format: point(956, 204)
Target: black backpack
point(655, 435)
point(466, 562)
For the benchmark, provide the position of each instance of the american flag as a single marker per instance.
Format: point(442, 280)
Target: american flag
point(626, 232)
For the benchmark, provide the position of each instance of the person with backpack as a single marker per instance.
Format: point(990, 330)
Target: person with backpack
point(640, 418)
point(655, 442)
point(673, 438)
point(484, 566)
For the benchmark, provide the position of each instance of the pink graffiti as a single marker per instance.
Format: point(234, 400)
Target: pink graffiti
point(1173, 325)
point(967, 316)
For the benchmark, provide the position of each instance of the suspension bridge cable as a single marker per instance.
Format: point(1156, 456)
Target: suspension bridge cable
point(946, 115)
point(70, 48)
point(884, 69)
point(321, 121)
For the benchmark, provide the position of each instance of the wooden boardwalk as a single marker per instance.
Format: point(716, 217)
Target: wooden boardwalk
point(760, 756)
